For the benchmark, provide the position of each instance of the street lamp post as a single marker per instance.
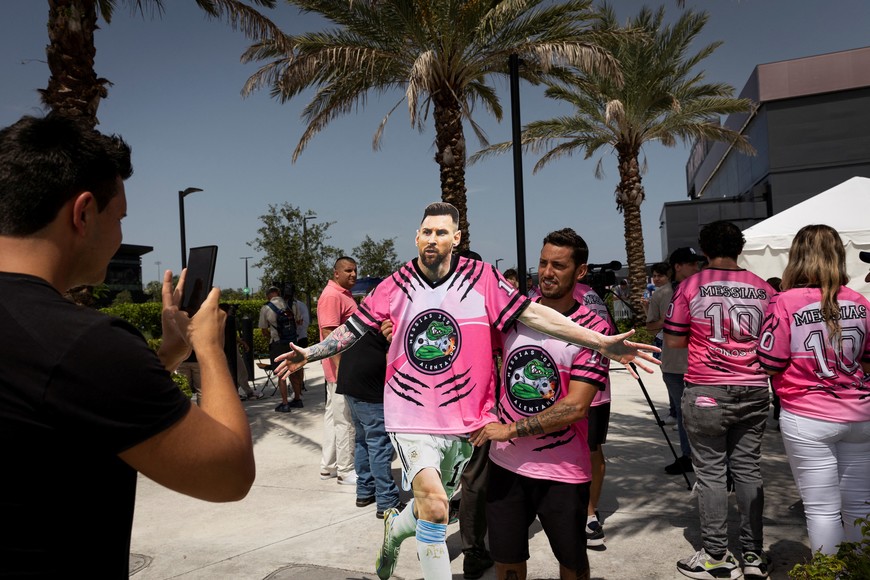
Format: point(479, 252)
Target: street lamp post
point(305, 247)
point(247, 289)
point(181, 196)
point(159, 276)
point(497, 260)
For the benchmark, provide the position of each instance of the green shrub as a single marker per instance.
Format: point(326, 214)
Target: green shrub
point(144, 316)
point(183, 384)
point(851, 562)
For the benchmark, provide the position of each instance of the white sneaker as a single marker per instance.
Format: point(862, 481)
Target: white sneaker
point(349, 479)
point(328, 473)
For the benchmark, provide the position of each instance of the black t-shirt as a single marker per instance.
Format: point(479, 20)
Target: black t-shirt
point(77, 388)
point(363, 369)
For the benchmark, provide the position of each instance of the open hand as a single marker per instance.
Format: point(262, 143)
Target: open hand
point(292, 361)
point(624, 351)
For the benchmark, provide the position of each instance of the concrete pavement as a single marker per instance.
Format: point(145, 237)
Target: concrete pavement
point(294, 525)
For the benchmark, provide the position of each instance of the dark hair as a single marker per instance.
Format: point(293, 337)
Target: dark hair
point(566, 237)
point(662, 268)
point(343, 259)
point(441, 208)
point(721, 239)
point(511, 273)
point(45, 162)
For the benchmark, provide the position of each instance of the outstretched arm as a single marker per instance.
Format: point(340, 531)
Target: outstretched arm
point(616, 347)
point(338, 340)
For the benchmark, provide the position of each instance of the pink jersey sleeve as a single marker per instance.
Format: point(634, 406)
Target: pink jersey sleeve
point(589, 366)
point(774, 350)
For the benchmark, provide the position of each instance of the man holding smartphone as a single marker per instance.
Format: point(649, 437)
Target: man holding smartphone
point(86, 404)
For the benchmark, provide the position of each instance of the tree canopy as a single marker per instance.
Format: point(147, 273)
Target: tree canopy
point(293, 252)
point(377, 259)
point(439, 55)
point(663, 98)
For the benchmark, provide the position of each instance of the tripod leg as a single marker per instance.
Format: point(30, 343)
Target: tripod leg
point(659, 422)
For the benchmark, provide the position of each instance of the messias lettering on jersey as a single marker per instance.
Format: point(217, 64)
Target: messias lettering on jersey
point(815, 315)
point(744, 292)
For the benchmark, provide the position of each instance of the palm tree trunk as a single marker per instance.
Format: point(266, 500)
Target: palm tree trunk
point(630, 195)
point(73, 88)
point(450, 156)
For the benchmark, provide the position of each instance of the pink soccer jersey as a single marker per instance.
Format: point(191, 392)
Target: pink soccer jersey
point(815, 380)
point(721, 312)
point(440, 362)
point(585, 295)
point(536, 372)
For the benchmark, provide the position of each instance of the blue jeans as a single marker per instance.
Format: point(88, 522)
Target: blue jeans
point(725, 425)
point(674, 383)
point(373, 454)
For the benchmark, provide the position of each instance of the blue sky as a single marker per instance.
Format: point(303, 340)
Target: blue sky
point(176, 99)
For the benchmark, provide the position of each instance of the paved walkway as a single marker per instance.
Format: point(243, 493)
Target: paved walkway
point(293, 525)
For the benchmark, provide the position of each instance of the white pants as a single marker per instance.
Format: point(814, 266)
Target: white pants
point(830, 463)
point(338, 434)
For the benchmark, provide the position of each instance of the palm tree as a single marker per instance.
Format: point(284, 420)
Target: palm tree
point(662, 99)
point(440, 53)
point(74, 88)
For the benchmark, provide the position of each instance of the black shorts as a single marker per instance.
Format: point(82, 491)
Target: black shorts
point(599, 420)
point(513, 501)
point(277, 348)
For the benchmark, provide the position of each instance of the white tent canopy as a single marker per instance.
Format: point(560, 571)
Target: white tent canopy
point(845, 207)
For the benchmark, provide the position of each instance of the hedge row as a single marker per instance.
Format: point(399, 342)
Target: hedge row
point(146, 317)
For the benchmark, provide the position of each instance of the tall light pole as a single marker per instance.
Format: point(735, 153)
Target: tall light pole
point(497, 260)
point(181, 196)
point(247, 288)
point(159, 276)
point(305, 247)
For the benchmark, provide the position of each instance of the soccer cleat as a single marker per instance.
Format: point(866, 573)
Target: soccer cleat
point(756, 564)
point(398, 507)
point(389, 554)
point(594, 534)
point(701, 565)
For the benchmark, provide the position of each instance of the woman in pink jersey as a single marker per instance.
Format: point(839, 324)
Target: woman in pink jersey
point(814, 341)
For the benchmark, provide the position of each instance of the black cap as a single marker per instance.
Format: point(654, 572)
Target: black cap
point(685, 256)
point(865, 257)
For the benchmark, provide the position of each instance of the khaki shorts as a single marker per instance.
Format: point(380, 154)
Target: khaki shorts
point(447, 454)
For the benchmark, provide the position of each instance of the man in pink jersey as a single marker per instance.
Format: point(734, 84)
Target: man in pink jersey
point(439, 372)
point(717, 313)
point(599, 413)
point(540, 459)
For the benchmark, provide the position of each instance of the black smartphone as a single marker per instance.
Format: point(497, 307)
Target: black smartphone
point(201, 263)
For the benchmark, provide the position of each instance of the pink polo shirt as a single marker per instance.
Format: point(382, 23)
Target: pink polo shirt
point(334, 307)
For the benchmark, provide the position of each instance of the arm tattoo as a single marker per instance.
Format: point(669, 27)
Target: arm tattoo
point(529, 426)
point(555, 417)
point(337, 341)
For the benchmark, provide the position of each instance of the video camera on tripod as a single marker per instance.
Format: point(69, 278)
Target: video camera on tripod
point(601, 276)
